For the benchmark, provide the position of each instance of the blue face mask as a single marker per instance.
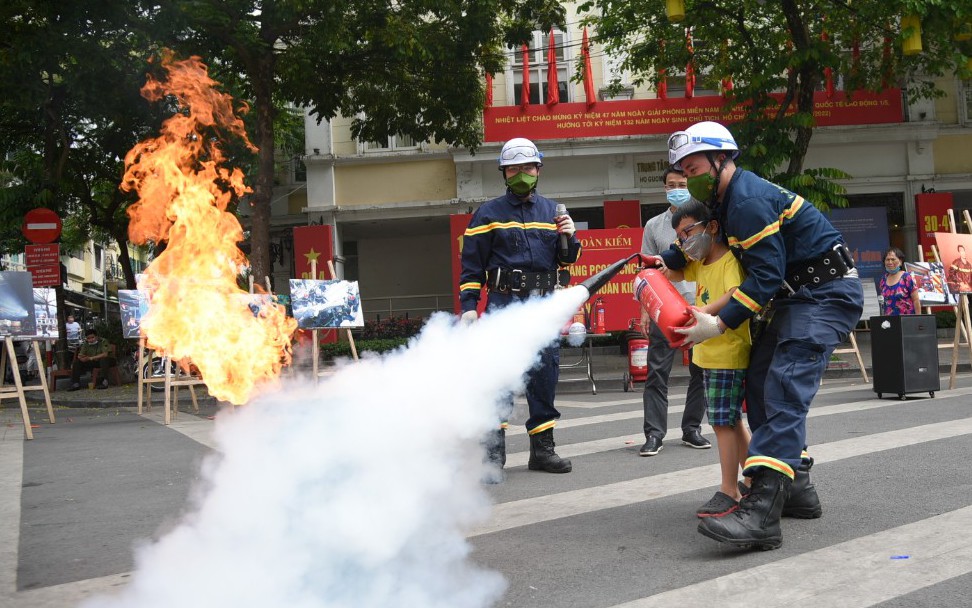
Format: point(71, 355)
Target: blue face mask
point(678, 196)
point(891, 270)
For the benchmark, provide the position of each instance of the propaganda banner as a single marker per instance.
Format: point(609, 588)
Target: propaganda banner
point(931, 209)
point(662, 116)
point(313, 243)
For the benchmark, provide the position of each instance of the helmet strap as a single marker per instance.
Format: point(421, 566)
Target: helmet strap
point(713, 202)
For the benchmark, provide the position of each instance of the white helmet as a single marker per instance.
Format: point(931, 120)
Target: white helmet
point(700, 137)
point(519, 151)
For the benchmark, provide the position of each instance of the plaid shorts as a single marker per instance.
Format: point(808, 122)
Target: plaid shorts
point(724, 392)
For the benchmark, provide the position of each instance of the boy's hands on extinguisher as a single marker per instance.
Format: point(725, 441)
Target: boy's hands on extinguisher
point(652, 261)
point(706, 326)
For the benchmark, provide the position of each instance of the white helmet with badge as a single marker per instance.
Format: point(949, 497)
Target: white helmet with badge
point(700, 137)
point(519, 151)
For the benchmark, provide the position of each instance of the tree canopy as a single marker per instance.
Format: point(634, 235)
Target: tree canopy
point(792, 48)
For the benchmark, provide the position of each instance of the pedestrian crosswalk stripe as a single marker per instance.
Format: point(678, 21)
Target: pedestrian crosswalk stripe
point(851, 574)
point(532, 511)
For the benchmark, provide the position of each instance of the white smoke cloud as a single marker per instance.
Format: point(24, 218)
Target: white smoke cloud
point(355, 492)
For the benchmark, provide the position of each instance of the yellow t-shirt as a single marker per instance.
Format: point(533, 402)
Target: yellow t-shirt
point(731, 349)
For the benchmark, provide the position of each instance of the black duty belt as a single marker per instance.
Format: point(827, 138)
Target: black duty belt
point(507, 280)
point(832, 265)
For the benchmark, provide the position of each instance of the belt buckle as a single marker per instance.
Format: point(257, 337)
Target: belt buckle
point(789, 290)
point(516, 280)
point(844, 255)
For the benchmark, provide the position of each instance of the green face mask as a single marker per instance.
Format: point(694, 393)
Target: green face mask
point(522, 184)
point(701, 187)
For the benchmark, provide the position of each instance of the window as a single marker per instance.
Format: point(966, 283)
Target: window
point(99, 252)
point(393, 142)
point(538, 68)
point(965, 102)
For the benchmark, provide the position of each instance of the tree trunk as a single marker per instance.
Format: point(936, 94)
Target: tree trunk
point(263, 184)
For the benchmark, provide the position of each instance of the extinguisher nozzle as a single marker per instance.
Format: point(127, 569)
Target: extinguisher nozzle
point(594, 283)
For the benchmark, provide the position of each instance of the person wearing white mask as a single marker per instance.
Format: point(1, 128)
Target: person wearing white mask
point(658, 237)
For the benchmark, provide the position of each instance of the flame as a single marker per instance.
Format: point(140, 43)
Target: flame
point(197, 312)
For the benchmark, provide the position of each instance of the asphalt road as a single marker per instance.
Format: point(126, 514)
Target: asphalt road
point(619, 530)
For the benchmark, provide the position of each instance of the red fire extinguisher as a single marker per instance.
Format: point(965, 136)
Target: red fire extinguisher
point(666, 307)
point(599, 324)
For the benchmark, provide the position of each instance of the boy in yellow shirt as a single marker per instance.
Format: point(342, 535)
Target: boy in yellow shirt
point(723, 359)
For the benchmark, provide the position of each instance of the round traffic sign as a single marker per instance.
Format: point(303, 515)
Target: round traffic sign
point(41, 226)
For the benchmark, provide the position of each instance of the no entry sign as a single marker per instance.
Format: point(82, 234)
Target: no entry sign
point(41, 226)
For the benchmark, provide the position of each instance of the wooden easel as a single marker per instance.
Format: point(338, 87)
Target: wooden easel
point(315, 365)
point(172, 384)
point(857, 353)
point(962, 324)
point(928, 309)
point(9, 355)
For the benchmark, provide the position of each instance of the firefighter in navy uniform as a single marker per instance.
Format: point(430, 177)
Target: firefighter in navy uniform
point(512, 247)
point(801, 279)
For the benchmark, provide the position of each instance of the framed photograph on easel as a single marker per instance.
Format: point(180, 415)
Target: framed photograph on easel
point(326, 304)
point(17, 315)
point(930, 281)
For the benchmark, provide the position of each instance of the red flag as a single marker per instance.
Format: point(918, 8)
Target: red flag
point(489, 90)
point(689, 70)
point(553, 87)
point(727, 81)
point(726, 86)
point(525, 89)
point(588, 75)
point(828, 72)
point(662, 90)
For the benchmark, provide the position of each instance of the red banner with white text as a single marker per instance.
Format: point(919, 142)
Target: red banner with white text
point(662, 116)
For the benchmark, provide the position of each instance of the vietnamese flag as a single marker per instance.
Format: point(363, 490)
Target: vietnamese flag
point(525, 88)
point(553, 87)
point(489, 91)
point(588, 74)
point(689, 70)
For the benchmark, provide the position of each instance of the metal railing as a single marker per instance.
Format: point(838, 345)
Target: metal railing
point(413, 307)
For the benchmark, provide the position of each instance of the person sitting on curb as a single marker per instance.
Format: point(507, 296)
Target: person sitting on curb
point(92, 353)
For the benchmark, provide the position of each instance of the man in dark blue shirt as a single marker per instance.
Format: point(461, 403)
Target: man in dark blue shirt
point(514, 246)
point(801, 278)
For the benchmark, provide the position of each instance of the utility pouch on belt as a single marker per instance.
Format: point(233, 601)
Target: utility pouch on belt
point(832, 265)
point(504, 280)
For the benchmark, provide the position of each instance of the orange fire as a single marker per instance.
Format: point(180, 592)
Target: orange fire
point(197, 312)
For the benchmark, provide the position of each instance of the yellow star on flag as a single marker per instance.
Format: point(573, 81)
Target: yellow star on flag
point(312, 256)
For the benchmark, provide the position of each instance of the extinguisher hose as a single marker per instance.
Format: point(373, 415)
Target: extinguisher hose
point(599, 280)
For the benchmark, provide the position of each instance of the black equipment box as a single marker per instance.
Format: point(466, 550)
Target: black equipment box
point(904, 355)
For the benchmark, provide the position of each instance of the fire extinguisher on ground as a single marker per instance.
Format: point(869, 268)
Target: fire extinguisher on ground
point(599, 324)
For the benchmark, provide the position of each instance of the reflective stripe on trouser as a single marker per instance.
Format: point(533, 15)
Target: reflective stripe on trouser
point(541, 385)
point(786, 366)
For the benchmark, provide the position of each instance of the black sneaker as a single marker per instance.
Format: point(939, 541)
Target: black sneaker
point(103, 384)
point(694, 439)
point(651, 447)
point(75, 387)
point(720, 504)
point(743, 488)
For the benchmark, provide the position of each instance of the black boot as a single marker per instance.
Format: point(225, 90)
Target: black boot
point(756, 523)
point(542, 455)
point(802, 501)
point(495, 443)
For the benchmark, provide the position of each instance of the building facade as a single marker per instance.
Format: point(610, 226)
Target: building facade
point(389, 202)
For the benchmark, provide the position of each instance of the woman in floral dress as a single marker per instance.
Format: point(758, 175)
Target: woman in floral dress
point(899, 292)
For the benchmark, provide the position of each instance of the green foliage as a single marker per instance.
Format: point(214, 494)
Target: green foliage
point(394, 328)
point(343, 349)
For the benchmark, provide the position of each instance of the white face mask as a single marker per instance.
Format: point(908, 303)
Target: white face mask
point(697, 246)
